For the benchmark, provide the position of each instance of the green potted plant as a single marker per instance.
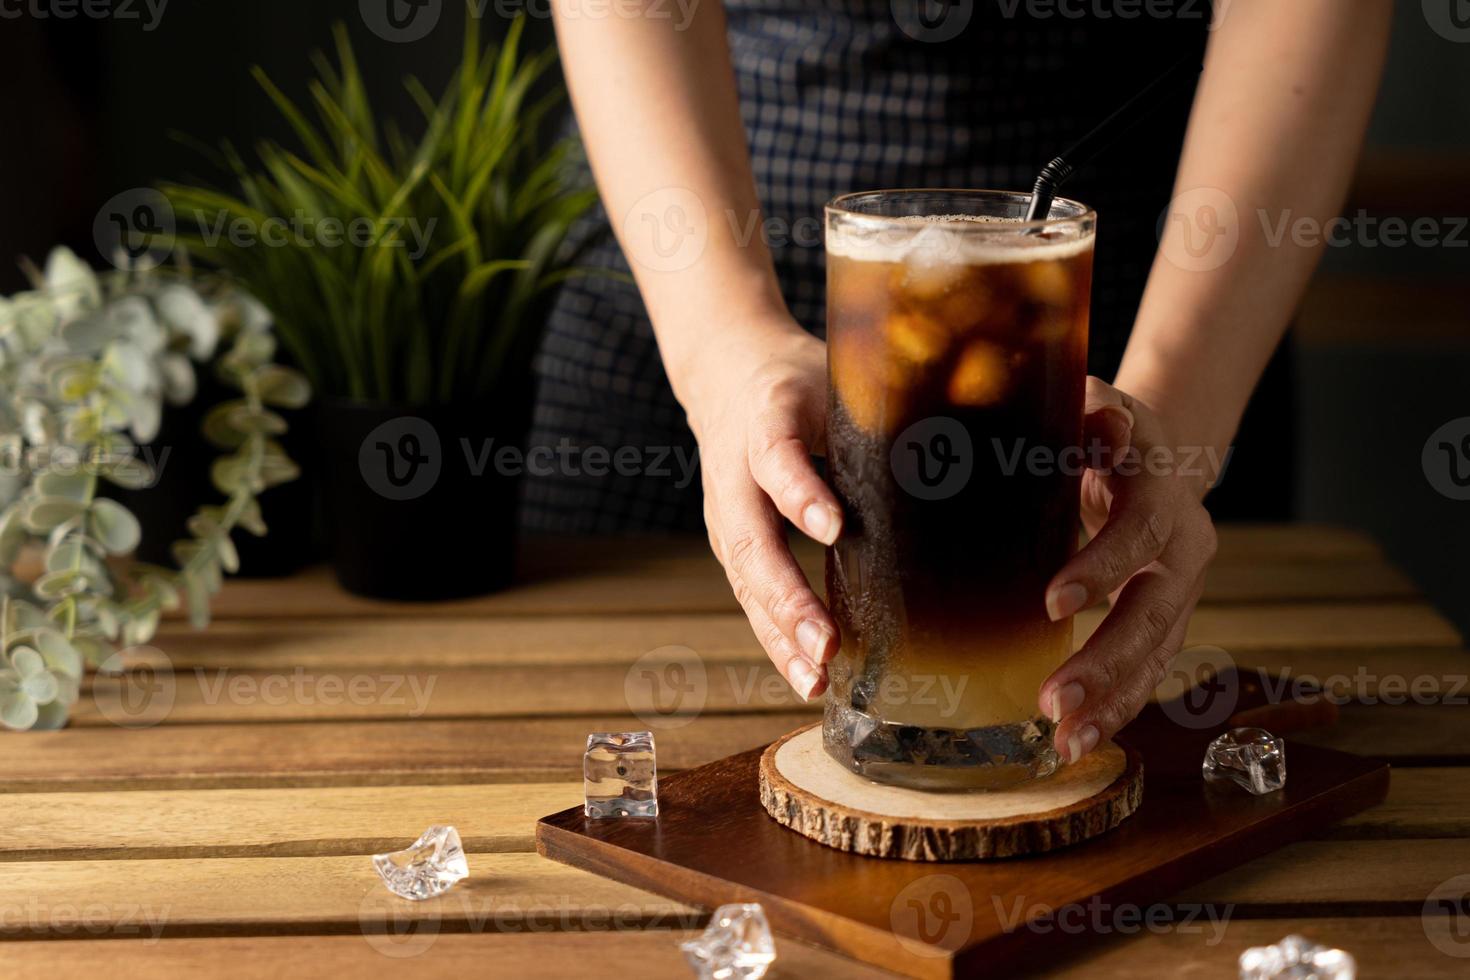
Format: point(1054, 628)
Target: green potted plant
point(87, 365)
point(417, 333)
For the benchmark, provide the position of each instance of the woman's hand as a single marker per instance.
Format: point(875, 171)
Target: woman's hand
point(759, 414)
point(1151, 540)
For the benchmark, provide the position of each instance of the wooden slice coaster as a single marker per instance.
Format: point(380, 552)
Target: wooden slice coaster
point(805, 789)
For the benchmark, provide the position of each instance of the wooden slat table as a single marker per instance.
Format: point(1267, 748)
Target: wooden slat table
point(226, 829)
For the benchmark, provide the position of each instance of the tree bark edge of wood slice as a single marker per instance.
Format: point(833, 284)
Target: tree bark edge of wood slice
point(860, 831)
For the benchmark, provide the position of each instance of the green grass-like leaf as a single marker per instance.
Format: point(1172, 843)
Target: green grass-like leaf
point(453, 236)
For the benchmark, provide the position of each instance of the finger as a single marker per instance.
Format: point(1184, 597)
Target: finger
point(808, 680)
point(764, 574)
point(1102, 688)
point(1110, 430)
point(1099, 394)
point(1137, 530)
point(781, 463)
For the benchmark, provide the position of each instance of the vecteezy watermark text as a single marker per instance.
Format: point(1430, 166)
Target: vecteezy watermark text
point(1098, 917)
point(149, 12)
point(30, 917)
point(406, 21)
point(403, 458)
point(669, 687)
point(301, 231)
point(566, 459)
point(1036, 460)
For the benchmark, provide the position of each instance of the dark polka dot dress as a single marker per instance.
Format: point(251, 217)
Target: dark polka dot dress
point(848, 95)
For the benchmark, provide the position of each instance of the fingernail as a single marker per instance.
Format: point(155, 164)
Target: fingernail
point(804, 677)
point(1081, 743)
point(822, 522)
point(1065, 700)
point(1065, 601)
point(1127, 415)
point(815, 641)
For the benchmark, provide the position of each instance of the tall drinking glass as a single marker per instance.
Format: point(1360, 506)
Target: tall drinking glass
point(957, 354)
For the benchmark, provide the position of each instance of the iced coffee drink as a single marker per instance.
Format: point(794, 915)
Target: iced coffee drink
point(957, 347)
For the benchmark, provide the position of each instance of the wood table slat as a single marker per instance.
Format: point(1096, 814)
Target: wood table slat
point(1283, 631)
point(1385, 947)
point(218, 695)
point(592, 576)
point(1408, 734)
point(1427, 802)
point(292, 822)
point(334, 894)
point(654, 954)
point(309, 821)
point(415, 753)
point(233, 896)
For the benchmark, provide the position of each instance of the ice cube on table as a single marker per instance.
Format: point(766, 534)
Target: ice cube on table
point(736, 945)
point(1250, 757)
point(620, 775)
point(1296, 958)
point(429, 866)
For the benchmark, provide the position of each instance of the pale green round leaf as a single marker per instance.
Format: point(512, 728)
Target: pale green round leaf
point(246, 419)
point(59, 655)
point(71, 282)
point(224, 549)
point(129, 367)
point(46, 513)
point(251, 519)
point(179, 380)
point(27, 662)
point(128, 472)
point(145, 414)
point(282, 387)
point(219, 427)
point(185, 313)
point(52, 716)
point(232, 474)
point(114, 526)
point(40, 688)
point(17, 710)
point(59, 483)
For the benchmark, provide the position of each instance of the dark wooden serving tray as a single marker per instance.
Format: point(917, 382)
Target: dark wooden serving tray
point(714, 843)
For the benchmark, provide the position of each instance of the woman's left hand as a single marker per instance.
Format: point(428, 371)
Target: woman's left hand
point(1151, 541)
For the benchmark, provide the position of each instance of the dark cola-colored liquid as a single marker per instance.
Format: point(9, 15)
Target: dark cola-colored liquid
point(956, 393)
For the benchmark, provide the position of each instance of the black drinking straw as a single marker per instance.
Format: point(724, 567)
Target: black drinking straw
point(1060, 168)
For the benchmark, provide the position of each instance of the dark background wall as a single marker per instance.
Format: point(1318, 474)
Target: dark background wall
point(92, 105)
point(1384, 338)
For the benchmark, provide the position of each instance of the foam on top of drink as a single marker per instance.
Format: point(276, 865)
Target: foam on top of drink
point(933, 239)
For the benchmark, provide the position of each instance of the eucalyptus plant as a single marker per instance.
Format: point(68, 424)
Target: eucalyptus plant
point(442, 315)
point(87, 364)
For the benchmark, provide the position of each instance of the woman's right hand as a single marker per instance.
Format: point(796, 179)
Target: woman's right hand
point(758, 410)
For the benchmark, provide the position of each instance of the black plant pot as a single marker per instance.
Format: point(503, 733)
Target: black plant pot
point(181, 458)
point(415, 503)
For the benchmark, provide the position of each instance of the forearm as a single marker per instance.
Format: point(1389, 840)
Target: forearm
point(1274, 135)
point(656, 102)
